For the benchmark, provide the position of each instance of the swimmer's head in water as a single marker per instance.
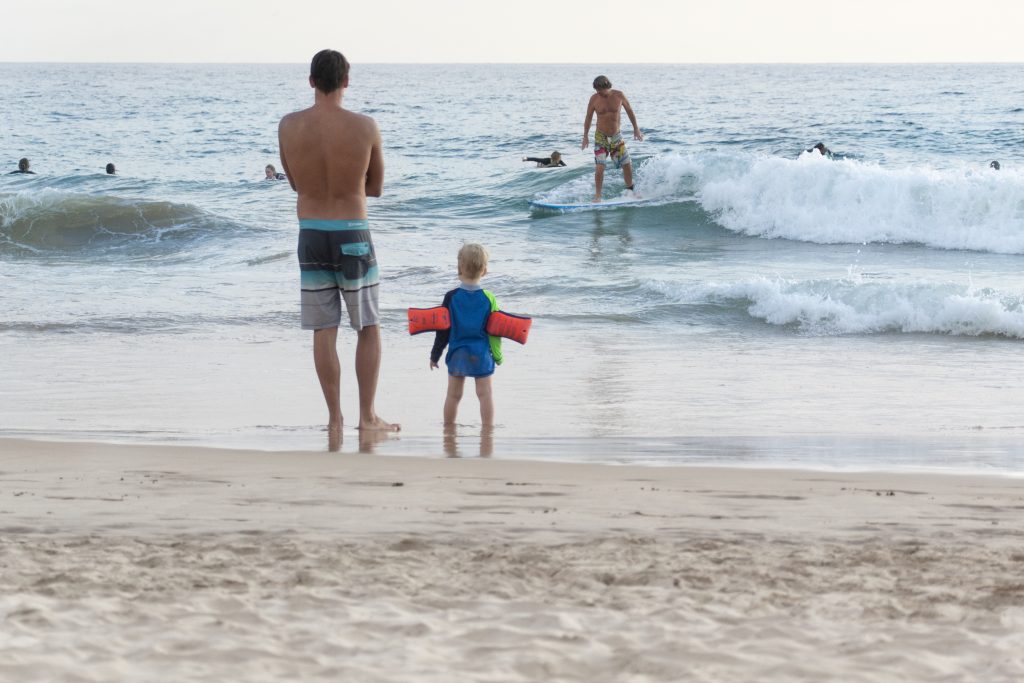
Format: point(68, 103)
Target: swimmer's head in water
point(23, 164)
point(993, 164)
point(110, 169)
point(602, 83)
point(556, 156)
point(328, 71)
point(271, 171)
point(820, 147)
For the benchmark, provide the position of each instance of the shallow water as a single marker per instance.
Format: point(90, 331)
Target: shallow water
point(760, 296)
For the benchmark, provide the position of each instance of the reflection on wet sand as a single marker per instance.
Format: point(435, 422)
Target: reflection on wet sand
point(368, 439)
point(450, 442)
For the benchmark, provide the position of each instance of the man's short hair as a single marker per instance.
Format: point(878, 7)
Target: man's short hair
point(110, 169)
point(23, 164)
point(270, 167)
point(602, 83)
point(473, 260)
point(328, 70)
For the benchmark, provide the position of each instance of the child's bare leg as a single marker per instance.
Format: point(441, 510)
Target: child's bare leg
point(451, 401)
point(483, 393)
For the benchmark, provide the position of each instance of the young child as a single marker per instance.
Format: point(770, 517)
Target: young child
point(471, 351)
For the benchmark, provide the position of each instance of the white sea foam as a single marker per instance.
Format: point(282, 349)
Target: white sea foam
point(814, 199)
point(852, 306)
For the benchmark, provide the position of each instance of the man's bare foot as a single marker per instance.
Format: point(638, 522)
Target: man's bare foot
point(378, 425)
point(597, 199)
point(334, 436)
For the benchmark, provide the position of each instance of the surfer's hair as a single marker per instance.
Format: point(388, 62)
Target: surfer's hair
point(23, 164)
point(473, 260)
point(329, 69)
point(602, 83)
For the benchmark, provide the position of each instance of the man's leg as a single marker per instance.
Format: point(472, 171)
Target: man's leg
point(328, 371)
point(367, 371)
point(627, 175)
point(598, 181)
point(451, 401)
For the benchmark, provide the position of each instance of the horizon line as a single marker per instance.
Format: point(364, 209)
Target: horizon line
point(466, 63)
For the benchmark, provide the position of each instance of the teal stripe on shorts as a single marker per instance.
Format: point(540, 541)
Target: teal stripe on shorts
point(333, 224)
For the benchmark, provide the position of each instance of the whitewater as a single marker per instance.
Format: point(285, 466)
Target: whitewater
point(763, 296)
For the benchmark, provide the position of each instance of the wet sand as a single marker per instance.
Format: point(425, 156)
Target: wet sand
point(181, 563)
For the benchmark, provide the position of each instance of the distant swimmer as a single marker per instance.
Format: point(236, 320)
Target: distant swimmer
point(608, 142)
point(111, 170)
point(22, 167)
point(272, 173)
point(821, 149)
point(547, 162)
point(994, 165)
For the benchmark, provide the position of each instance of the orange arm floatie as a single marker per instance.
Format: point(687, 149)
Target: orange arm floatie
point(429, 319)
point(510, 326)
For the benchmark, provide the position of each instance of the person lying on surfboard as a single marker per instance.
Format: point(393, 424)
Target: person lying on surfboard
point(547, 162)
point(608, 142)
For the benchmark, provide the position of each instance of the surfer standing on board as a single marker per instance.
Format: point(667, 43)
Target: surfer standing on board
point(608, 142)
point(332, 158)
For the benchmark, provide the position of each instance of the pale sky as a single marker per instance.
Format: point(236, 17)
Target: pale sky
point(598, 31)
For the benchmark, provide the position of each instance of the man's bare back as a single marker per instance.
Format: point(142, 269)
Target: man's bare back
point(333, 159)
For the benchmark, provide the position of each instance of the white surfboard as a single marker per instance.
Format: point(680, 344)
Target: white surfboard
point(625, 201)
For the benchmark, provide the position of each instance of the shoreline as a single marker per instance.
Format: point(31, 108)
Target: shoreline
point(135, 562)
point(945, 454)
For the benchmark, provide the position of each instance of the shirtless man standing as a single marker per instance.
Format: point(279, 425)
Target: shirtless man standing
point(332, 158)
point(608, 141)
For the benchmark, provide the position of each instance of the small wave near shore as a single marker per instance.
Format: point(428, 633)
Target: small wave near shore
point(57, 221)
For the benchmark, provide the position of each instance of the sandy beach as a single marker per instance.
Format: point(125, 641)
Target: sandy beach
point(178, 563)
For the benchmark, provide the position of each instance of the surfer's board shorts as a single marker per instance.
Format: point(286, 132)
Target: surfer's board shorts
point(337, 261)
point(613, 147)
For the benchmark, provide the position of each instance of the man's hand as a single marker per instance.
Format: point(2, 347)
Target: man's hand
point(637, 135)
point(433, 365)
point(586, 142)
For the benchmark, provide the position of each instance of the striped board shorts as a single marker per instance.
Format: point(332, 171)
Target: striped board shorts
point(337, 261)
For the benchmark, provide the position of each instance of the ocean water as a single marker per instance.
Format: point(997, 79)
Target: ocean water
point(766, 307)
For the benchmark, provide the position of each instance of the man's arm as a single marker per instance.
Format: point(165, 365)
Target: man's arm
point(586, 123)
point(637, 135)
point(375, 169)
point(280, 147)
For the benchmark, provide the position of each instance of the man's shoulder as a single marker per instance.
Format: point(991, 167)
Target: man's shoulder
point(293, 117)
point(364, 119)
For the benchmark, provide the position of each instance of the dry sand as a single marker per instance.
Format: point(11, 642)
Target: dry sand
point(132, 563)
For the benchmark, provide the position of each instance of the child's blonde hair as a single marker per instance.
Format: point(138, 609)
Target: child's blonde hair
point(473, 259)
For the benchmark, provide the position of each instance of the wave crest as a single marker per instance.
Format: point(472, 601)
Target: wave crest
point(854, 306)
point(57, 221)
point(813, 199)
